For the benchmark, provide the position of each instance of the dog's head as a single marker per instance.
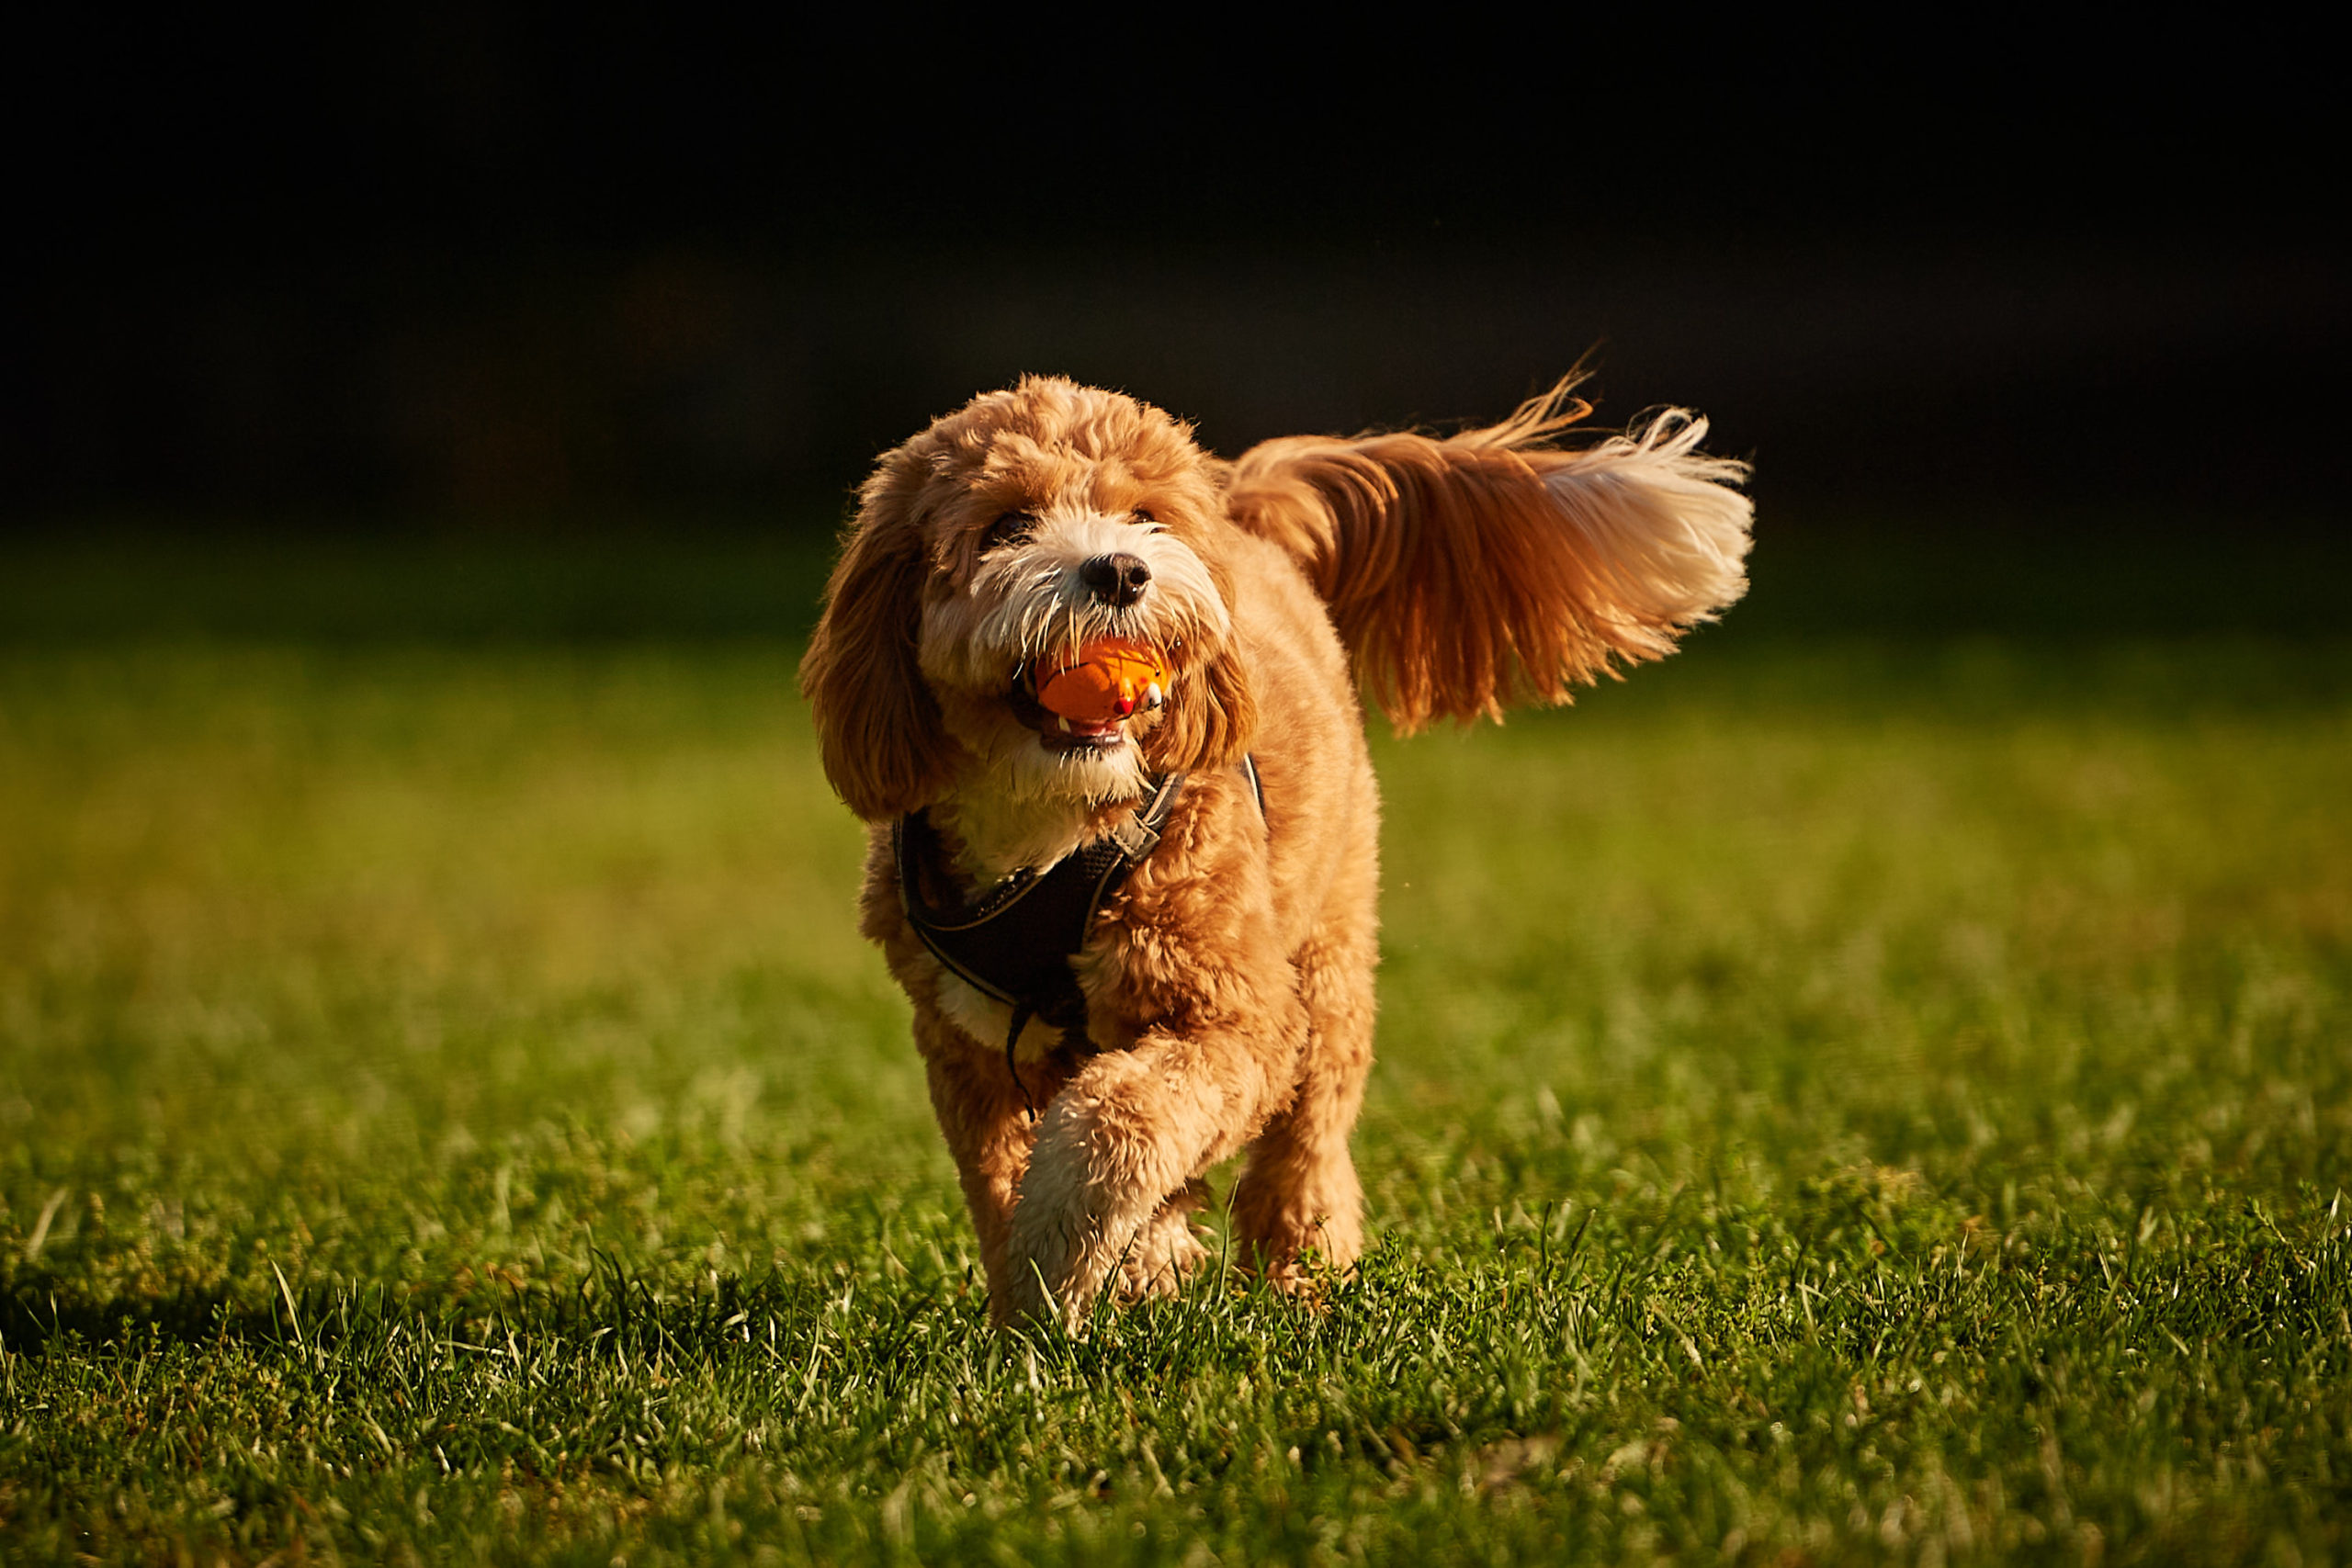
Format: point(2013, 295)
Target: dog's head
point(1010, 533)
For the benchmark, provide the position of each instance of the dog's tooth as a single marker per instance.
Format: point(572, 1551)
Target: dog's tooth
point(1066, 728)
point(1153, 695)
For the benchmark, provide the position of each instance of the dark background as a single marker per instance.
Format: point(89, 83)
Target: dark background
point(414, 273)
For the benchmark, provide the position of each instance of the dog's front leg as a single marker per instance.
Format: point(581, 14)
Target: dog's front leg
point(1129, 1130)
point(986, 1123)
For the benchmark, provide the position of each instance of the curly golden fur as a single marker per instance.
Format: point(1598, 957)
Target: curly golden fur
point(1228, 982)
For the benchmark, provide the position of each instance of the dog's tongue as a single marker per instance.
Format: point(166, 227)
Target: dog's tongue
point(1110, 679)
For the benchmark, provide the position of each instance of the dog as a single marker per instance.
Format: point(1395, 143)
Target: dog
point(1174, 894)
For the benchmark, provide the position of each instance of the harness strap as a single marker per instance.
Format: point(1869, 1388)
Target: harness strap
point(1011, 1063)
point(1256, 787)
point(1016, 944)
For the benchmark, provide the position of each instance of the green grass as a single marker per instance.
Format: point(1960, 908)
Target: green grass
point(1839, 1100)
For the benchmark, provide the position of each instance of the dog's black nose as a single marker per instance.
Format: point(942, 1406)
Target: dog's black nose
point(1115, 579)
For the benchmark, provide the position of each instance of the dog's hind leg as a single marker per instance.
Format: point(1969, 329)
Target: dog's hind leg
point(1299, 1189)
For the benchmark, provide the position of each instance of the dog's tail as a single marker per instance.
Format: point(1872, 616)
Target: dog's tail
point(1495, 568)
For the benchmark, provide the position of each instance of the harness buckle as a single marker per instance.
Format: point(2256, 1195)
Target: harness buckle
point(1135, 839)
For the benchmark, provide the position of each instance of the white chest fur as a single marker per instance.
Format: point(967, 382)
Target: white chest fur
point(999, 834)
point(988, 1020)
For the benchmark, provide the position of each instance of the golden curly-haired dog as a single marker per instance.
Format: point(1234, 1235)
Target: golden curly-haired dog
point(1215, 987)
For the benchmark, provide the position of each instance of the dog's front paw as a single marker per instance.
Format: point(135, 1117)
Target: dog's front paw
point(1167, 1251)
point(1031, 1298)
point(1088, 1215)
point(1069, 1243)
point(1055, 1259)
point(1060, 1265)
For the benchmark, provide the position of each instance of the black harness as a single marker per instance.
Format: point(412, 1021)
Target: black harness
point(1017, 944)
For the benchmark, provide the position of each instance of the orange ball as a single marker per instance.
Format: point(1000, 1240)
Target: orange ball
point(1110, 679)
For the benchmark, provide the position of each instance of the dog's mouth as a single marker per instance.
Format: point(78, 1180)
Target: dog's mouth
point(1055, 732)
point(1089, 704)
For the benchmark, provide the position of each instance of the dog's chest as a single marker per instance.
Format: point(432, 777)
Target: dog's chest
point(1006, 964)
point(991, 837)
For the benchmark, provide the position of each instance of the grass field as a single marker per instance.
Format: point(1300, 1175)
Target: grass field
point(1841, 1098)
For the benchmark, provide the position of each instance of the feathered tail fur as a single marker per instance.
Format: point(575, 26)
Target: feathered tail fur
point(1494, 568)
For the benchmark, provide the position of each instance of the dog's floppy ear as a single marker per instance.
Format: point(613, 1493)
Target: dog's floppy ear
point(1212, 713)
point(884, 747)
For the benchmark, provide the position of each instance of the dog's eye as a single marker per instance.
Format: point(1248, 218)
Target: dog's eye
point(1008, 529)
point(1144, 517)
